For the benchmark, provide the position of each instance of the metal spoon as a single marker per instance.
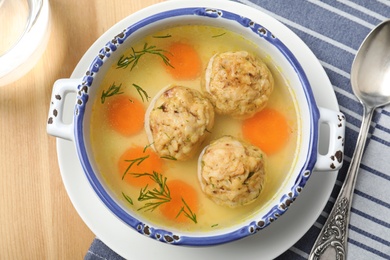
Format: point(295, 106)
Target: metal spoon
point(370, 79)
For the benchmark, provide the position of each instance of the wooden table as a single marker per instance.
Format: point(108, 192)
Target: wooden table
point(37, 219)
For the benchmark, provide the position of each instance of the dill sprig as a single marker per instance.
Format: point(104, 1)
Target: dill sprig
point(147, 146)
point(142, 93)
point(186, 210)
point(134, 58)
point(156, 196)
point(162, 36)
point(111, 91)
point(127, 198)
point(138, 161)
point(218, 35)
point(168, 157)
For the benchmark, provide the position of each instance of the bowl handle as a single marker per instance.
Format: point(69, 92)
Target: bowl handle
point(333, 159)
point(55, 123)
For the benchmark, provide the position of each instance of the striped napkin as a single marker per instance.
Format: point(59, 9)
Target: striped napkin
point(334, 30)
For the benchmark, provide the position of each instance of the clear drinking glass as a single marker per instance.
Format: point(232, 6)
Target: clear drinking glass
point(24, 33)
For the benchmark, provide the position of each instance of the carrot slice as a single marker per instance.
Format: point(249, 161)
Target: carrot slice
point(185, 61)
point(136, 160)
point(125, 114)
point(184, 202)
point(268, 129)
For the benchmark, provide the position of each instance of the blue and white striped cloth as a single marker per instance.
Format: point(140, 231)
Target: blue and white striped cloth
point(334, 30)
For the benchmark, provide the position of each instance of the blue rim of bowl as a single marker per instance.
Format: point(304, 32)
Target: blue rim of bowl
point(167, 236)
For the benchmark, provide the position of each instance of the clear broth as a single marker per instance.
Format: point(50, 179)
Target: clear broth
point(150, 74)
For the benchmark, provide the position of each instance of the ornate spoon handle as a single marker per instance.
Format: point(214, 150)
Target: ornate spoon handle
point(332, 241)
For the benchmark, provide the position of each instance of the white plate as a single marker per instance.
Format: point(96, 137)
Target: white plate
point(266, 244)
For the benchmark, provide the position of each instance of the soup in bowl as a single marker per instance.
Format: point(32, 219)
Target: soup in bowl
point(196, 126)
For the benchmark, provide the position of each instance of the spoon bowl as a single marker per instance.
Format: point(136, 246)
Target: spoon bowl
point(370, 72)
point(370, 79)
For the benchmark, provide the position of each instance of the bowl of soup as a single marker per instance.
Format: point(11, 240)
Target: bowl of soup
point(196, 125)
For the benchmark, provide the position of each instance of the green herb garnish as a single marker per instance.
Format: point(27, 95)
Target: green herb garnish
point(132, 162)
point(168, 157)
point(147, 146)
point(215, 225)
point(186, 210)
point(142, 93)
point(128, 199)
point(111, 91)
point(218, 35)
point(156, 196)
point(133, 58)
point(162, 36)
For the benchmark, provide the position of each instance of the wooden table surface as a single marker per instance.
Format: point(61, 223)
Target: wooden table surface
point(37, 219)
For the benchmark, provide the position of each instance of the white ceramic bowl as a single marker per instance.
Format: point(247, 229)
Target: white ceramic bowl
point(191, 12)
